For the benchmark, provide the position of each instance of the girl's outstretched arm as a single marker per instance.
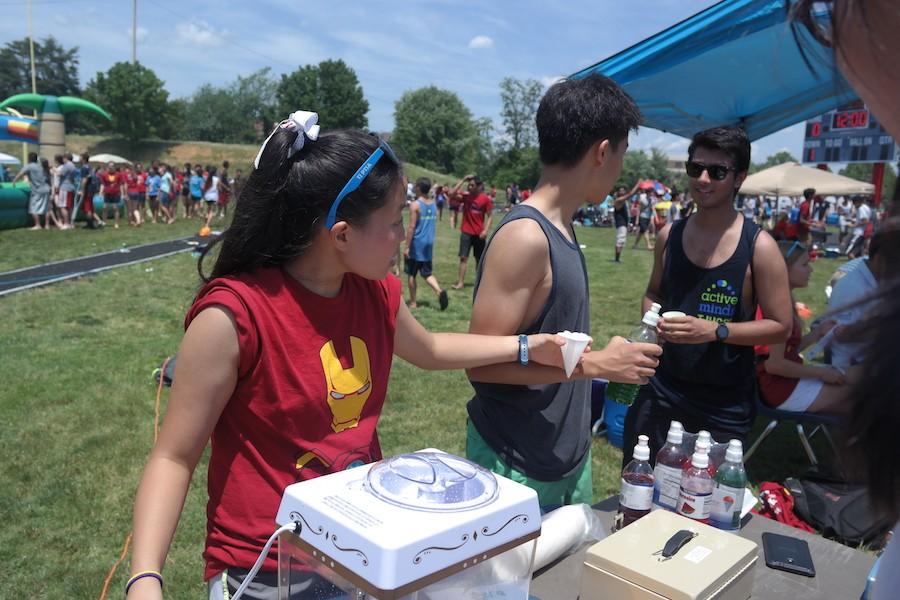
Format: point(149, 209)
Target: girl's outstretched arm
point(205, 377)
point(437, 351)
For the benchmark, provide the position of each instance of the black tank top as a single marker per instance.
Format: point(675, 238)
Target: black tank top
point(542, 431)
point(715, 380)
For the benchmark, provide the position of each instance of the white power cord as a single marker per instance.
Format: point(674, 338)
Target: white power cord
point(295, 527)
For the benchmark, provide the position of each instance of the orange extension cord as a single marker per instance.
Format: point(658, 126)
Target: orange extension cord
point(112, 571)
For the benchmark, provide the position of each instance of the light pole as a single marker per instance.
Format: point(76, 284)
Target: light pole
point(133, 31)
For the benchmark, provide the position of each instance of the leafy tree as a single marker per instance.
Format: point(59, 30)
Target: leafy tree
point(134, 96)
point(659, 167)
point(331, 89)
point(779, 158)
point(635, 166)
point(863, 172)
point(256, 97)
point(56, 68)
point(212, 114)
point(522, 167)
point(172, 125)
point(520, 102)
point(434, 129)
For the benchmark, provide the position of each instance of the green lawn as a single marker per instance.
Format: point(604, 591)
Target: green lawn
point(77, 406)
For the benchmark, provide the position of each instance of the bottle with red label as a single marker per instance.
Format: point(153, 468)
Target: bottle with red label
point(695, 495)
point(636, 497)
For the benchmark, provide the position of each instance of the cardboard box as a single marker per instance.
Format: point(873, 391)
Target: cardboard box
point(715, 565)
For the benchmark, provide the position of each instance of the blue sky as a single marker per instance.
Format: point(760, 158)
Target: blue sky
point(466, 46)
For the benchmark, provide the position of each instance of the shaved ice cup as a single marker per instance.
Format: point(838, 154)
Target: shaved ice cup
point(573, 349)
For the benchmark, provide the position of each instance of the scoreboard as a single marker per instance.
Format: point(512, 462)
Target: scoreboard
point(849, 134)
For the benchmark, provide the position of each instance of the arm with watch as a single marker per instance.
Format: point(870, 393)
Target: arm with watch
point(774, 297)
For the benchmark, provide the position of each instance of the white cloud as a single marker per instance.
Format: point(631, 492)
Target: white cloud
point(200, 33)
point(481, 41)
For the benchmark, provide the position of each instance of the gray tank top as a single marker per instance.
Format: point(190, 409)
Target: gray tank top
point(542, 431)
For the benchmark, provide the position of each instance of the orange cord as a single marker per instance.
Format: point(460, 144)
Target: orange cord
point(112, 571)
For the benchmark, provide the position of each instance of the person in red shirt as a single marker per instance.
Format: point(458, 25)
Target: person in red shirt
point(287, 351)
point(477, 214)
point(785, 381)
point(784, 229)
point(805, 219)
point(112, 187)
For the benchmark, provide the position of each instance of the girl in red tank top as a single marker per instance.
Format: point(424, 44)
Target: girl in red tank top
point(785, 381)
point(288, 346)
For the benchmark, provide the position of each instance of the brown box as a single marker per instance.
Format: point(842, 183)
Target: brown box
point(715, 565)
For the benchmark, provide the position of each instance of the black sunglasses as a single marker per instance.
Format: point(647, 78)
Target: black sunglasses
point(716, 172)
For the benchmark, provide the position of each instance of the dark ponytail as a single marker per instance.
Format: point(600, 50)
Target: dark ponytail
point(285, 200)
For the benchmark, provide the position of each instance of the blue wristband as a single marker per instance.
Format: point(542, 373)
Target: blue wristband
point(523, 349)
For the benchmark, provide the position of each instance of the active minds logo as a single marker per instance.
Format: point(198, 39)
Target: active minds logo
point(718, 303)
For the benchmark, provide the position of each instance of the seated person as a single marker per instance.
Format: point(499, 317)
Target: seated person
point(848, 298)
point(784, 229)
point(785, 382)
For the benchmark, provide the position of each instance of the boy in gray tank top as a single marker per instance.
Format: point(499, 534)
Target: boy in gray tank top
point(528, 422)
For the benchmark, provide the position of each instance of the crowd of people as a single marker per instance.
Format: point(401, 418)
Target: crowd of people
point(156, 194)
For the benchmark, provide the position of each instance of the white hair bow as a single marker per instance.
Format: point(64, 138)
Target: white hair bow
point(305, 123)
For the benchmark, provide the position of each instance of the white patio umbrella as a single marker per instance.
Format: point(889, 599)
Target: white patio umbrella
point(6, 159)
point(790, 179)
point(109, 158)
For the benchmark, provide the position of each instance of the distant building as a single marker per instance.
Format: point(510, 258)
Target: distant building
point(675, 163)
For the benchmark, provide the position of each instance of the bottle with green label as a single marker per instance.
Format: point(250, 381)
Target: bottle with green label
point(626, 393)
point(728, 490)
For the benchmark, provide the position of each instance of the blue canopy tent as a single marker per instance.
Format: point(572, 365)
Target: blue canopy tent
point(736, 63)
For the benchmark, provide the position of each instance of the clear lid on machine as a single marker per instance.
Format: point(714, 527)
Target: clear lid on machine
point(432, 481)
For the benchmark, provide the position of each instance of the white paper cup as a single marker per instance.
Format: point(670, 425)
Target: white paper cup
point(573, 349)
point(673, 314)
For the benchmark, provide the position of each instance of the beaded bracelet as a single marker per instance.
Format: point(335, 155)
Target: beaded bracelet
point(134, 578)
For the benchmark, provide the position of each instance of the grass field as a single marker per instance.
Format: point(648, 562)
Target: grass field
point(77, 406)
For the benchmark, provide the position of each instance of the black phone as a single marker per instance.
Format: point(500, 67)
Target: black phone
point(788, 554)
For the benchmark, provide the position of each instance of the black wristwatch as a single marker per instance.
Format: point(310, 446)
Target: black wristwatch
point(722, 332)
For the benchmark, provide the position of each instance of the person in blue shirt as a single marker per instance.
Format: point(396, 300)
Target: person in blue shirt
point(420, 243)
point(196, 185)
point(153, 192)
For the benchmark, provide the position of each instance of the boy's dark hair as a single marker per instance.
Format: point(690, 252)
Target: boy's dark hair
point(423, 185)
point(731, 140)
point(286, 199)
point(575, 114)
point(808, 193)
point(32, 157)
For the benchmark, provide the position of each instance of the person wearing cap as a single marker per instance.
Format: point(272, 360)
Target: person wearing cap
point(477, 214)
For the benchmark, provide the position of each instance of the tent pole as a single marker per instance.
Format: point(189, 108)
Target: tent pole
point(877, 181)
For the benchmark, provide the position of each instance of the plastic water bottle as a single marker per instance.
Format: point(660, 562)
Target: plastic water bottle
point(626, 393)
point(704, 440)
point(636, 496)
point(670, 462)
point(728, 493)
point(695, 495)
